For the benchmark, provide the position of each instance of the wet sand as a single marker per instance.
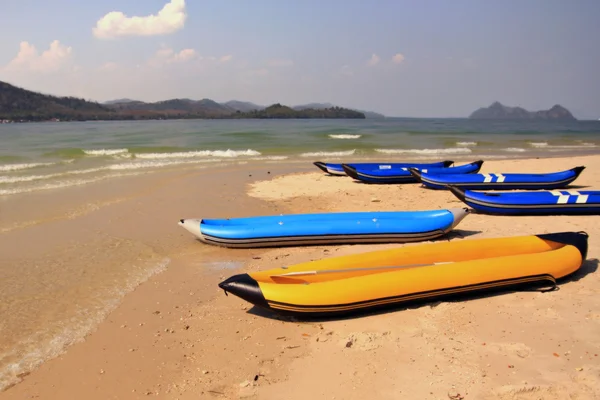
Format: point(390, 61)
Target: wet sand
point(178, 336)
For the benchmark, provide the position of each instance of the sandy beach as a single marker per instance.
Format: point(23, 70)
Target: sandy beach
point(175, 335)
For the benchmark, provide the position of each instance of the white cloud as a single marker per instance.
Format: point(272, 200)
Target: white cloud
point(276, 63)
point(183, 56)
point(374, 60)
point(57, 57)
point(167, 55)
point(169, 19)
point(398, 58)
point(226, 58)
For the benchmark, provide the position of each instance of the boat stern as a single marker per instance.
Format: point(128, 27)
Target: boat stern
point(246, 288)
point(350, 171)
point(459, 193)
point(321, 165)
point(415, 173)
point(192, 225)
point(459, 214)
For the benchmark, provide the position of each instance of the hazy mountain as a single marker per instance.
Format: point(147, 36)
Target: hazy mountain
point(243, 106)
point(17, 104)
point(320, 106)
point(117, 101)
point(178, 106)
point(500, 111)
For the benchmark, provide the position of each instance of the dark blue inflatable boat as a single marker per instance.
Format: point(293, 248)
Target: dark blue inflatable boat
point(543, 202)
point(336, 169)
point(402, 175)
point(549, 181)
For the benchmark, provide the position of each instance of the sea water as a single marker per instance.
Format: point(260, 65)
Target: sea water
point(40, 156)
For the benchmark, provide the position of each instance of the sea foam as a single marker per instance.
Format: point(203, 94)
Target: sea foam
point(453, 150)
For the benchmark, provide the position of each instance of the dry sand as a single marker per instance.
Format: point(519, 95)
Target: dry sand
point(178, 337)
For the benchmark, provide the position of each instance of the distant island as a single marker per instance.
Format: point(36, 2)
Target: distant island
point(21, 105)
point(321, 106)
point(500, 111)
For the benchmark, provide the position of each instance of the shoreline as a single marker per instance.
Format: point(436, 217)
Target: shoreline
point(26, 178)
point(194, 342)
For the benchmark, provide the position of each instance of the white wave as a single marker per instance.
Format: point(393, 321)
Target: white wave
point(328, 153)
point(131, 166)
point(545, 145)
point(269, 158)
point(60, 185)
point(515, 150)
point(466, 143)
point(154, 164)
point(105, 152)
point(455, 150)
point(538, 144)
point(67, 183)
point(199, 153)
point(27, 178)
point(574, 146)
point(19, 167)
point(345, 136)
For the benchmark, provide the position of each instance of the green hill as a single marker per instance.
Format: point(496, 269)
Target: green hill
point(20, 105)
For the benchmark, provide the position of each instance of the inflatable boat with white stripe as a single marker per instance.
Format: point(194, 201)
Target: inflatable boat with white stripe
point(553, 202)
point(555, 180)
point(336, 169)
point(402, 175)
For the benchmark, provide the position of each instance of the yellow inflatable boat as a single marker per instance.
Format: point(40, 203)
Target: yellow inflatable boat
point(342, 285)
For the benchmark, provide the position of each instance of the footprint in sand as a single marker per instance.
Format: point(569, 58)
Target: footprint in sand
point(517, 349)
point(514, 392)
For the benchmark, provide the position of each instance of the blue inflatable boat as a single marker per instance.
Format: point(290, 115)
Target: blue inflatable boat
point(542, 202)
point(337, 169)
point(550, 181)
point(326, 228)
point(402, 175)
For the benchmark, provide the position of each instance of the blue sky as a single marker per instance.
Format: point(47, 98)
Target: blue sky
point(403, 58)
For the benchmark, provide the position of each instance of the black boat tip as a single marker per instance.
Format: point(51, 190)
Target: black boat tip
point(459, 193)
point(578, 170)
point(244, 287)
point(577, 239)
point(321, 166)
point(415, 172)
point(350, 171)
point(448, 163)
point(479, 163)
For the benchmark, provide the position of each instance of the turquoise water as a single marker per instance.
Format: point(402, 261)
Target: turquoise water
point(53, 155)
